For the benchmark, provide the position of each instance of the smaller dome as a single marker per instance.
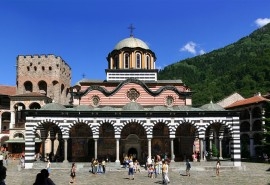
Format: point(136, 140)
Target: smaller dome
point(83, 108)
point(133, 106)
point(212, 107)
point(107, 108)
point(159, 108)
point(131, 42)
point(185, 108)
point(53, 106)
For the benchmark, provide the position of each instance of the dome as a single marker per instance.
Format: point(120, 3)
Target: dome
point(133, 106)
point(131, 42)
point(107, 108)
point(53, 106)
point(212, 107)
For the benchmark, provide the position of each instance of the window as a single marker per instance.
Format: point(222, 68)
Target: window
point(133, 94)
point(147, 62)
point(126, 61)
point(169, 101)
point(116, 62)
point(138, 60)
point(95, 101)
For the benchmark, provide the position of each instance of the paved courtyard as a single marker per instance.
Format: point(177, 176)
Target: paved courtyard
point(251, 173)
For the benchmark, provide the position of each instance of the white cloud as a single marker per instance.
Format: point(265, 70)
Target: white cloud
point(189, 47)
point(201, 52)
point(193, 48)
point(260, 22)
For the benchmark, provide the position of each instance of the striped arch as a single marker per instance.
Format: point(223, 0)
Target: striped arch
point(112, 122)
point(40, 124)
point(180, 122)
point(93, 128)
point(224, 124)
point(166, 122)
point(147, 128)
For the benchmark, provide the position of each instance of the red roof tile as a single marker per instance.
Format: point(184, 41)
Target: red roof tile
point(7, 90)
point(252, 100)
point(31, 94)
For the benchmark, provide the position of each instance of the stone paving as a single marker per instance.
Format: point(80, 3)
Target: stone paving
point(248, 174)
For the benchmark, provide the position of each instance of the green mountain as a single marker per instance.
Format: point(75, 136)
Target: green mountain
point(242, 67)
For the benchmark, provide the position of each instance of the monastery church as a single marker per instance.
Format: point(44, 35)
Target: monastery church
point(131, 112)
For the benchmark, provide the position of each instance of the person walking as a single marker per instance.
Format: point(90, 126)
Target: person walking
point(217, 167)
point(49, 167)
point(188, 166)
point(103, 164)
point(131, 170)
point(72, 173)
point(165, 170)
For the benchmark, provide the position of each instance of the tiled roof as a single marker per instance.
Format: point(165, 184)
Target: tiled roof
point(31, 94)
point(7, 90)
point(252, 100)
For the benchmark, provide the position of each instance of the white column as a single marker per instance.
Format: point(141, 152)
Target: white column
point(220, 148)
point(12, 119)
point(172, 151)
point(95, 148)
point(149, 148)
point(65, 150)
point(201, 149)
point(117, 151)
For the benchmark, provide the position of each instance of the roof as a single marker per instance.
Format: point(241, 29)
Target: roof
point(7, 90)
point(53, 106)
point(248, 101)
point(212, 107)
point(230, 99)
point(30, 94)
point(131, 42)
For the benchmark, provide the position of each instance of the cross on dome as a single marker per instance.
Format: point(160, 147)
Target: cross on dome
point(131, 30)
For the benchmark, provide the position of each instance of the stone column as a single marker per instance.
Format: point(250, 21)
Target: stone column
point(149, 148)
point(95, 148)
point(251, 147)
point(12, 119)
point(172, 151)
point(220, 148)
point(201, 149)
point(65, 150)
point(1, 122)
point(117, 151)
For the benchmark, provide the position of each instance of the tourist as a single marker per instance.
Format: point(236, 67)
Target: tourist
point(131, 170)
point(103, 164)
point(165, 170)
point(49, 167)
point(3, 174)
point(46, 174)
point(217, 167)
point(188, 166)
point(72, 173)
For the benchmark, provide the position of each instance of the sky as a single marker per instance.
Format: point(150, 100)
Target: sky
point(84, 32)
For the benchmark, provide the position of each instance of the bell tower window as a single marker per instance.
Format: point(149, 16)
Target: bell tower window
point(126, 61)
point(138, 60)
point(116, 62)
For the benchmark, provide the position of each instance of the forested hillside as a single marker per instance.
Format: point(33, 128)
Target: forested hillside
point(242, 67)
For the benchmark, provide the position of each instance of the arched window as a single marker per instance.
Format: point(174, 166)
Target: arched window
point(148, 65)
point(28, 86)
point(138, 60)
point(42, 85)
point(126, 61)
point(116, 62)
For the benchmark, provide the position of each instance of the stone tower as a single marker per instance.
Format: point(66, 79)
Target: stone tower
point(45, 74)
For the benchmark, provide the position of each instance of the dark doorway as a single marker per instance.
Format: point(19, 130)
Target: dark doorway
point(133, 152)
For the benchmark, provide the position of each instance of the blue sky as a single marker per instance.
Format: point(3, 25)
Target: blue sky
point(83, 32)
